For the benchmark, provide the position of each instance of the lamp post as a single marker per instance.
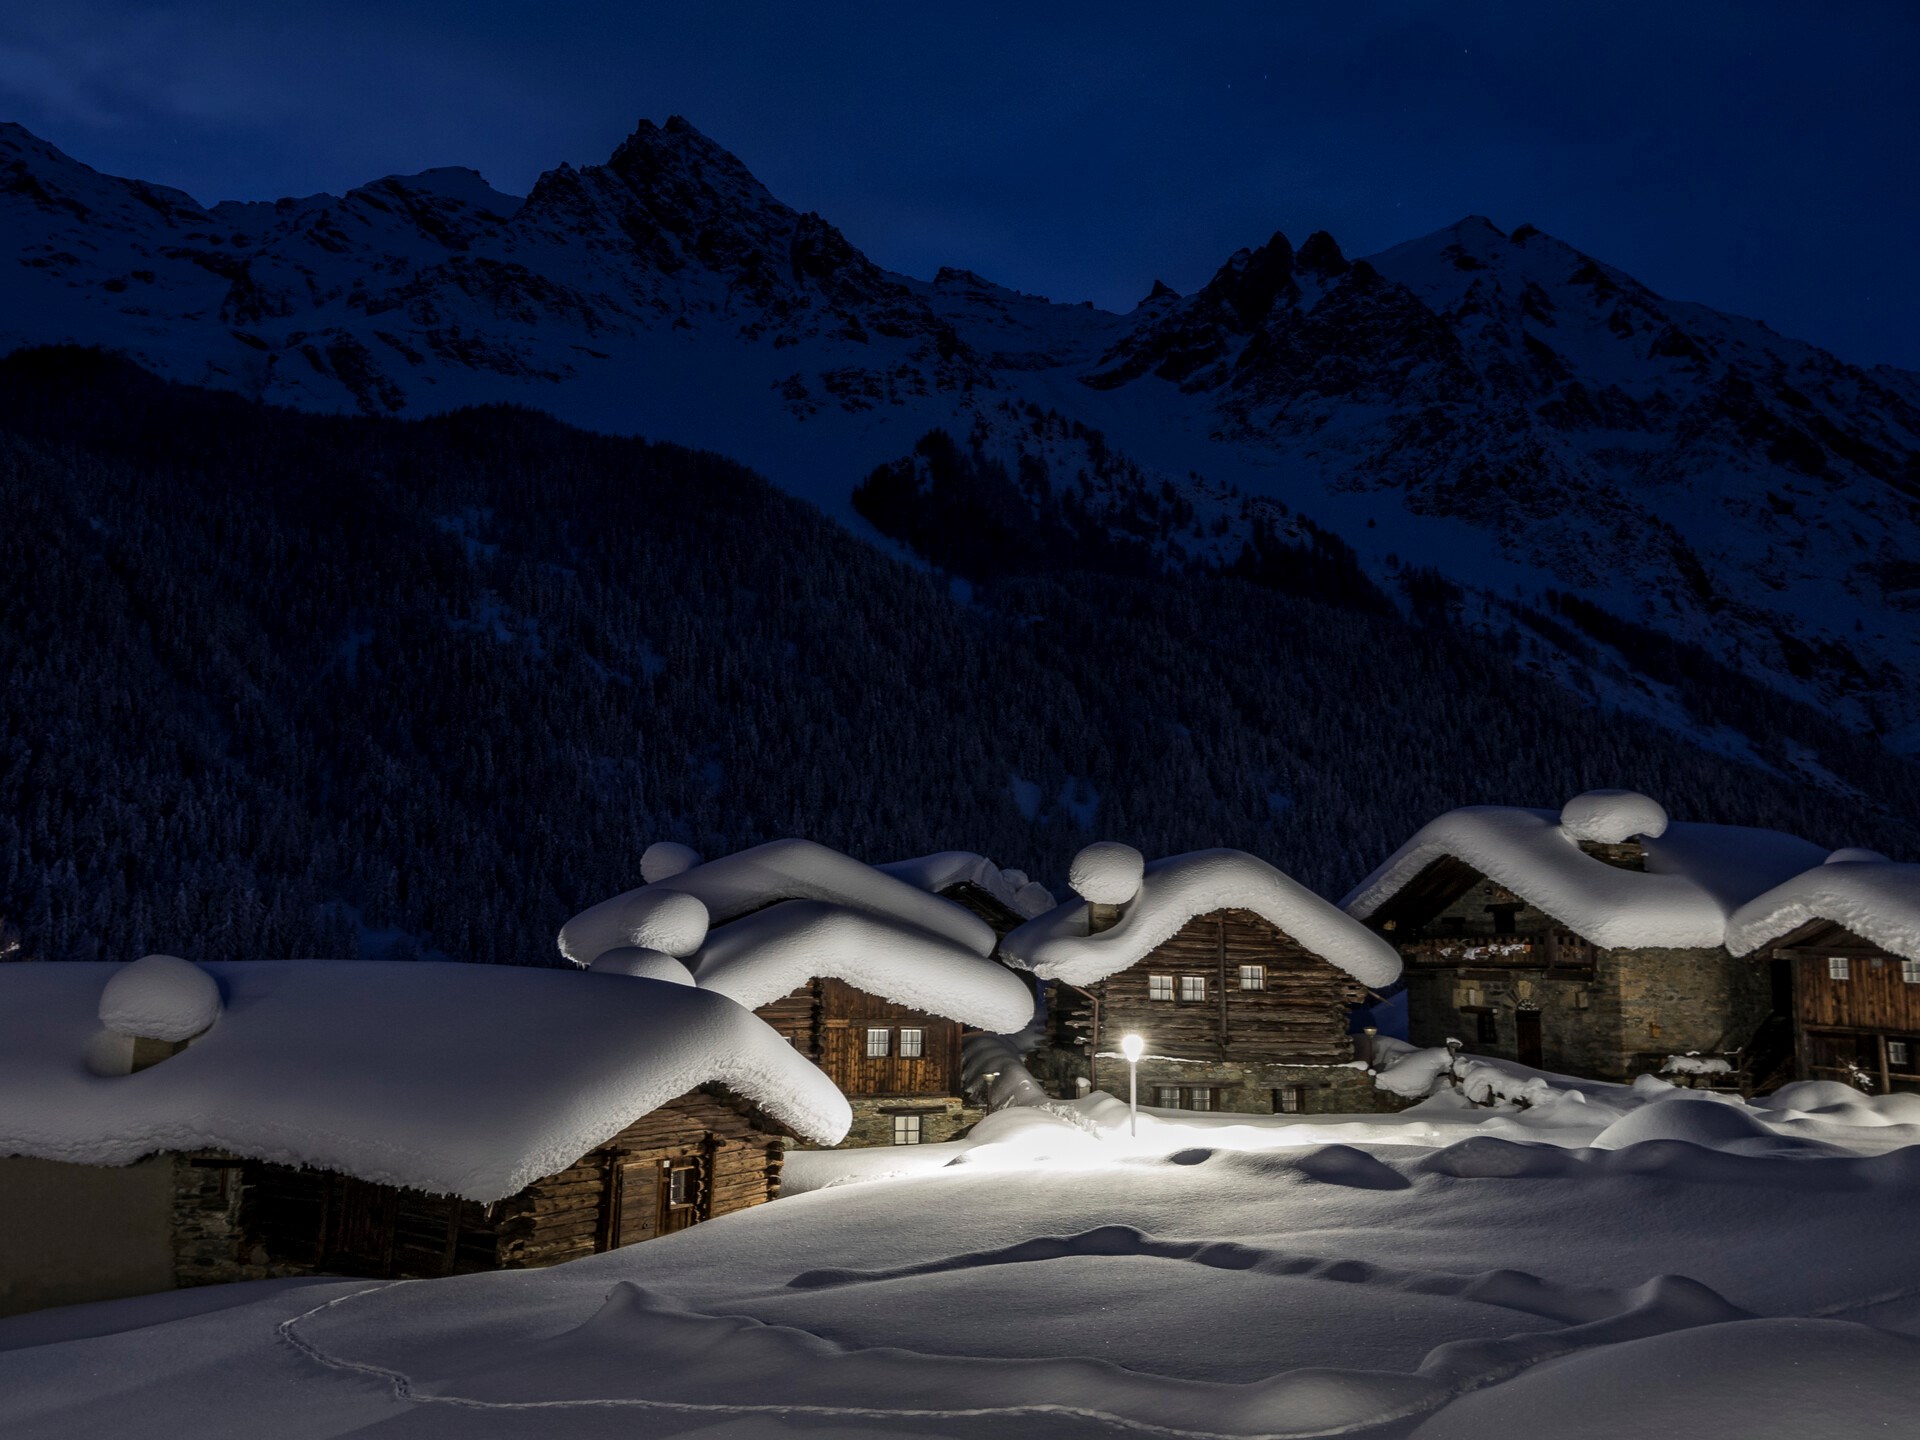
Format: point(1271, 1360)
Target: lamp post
point(1131, 1046)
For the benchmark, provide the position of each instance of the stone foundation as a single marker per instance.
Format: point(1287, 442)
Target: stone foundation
point(942, 1117)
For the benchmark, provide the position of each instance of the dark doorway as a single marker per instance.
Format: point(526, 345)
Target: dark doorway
point(1526, 1025)
point(1780, 977)
point(360, 1226)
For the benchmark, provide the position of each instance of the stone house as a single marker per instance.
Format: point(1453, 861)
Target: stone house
point(1239, 982)
point(257, 1119)
point(1589, 942)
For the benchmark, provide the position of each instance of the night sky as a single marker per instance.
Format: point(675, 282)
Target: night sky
point(1757, 156)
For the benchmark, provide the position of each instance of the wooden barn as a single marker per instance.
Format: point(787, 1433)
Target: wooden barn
point(874, 978)
point(1240, 983)
point(403, 1120)
point(1588, 942)
point(1844, 940)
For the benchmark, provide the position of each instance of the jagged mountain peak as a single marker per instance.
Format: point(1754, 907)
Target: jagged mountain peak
point(1320, 255)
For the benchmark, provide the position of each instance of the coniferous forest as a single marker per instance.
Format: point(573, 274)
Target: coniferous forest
point(281, 684)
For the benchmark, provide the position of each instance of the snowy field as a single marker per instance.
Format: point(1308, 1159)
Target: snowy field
point(1606, 1261)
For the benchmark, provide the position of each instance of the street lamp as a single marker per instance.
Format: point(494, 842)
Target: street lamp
point(1131, 1046)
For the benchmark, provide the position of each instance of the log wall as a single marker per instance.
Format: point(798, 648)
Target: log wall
point(827, 1021)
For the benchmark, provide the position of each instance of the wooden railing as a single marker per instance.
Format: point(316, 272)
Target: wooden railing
point(1554, 950)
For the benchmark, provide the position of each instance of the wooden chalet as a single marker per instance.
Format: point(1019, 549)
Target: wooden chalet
point(1841, 945)
point(1599, 956)
point(1237, 1009)
point(396, 1121)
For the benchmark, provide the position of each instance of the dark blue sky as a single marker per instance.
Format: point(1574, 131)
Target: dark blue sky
point(1758, 156)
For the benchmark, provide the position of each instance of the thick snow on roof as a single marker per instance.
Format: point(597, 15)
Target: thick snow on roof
point(1696, 875)
point(733, 885)
point(459, 1079)
point(947, 868)
point(653, 917)
point(159, 997)
point(1877, 900)
point(772, 952)
point(1173, 891)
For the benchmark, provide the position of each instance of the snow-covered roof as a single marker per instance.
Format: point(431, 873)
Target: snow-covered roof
point(734, 885)
point(1056, 946)
point(1877, 900)
point(470, 1080)
point(772, 952)
point(1696, 875)
point(947, 868)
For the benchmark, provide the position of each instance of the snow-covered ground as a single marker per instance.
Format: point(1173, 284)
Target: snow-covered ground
point(1609, 1261)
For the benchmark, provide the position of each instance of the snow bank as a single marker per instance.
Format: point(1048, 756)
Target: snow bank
point(664, 859)
point(1686, 1115)
point(1106, 873)
point(1173, 891)
point(734, 885)
point(159, 997)
point(651, 917)
point(459, 1079)
point(642, 963)
point(948, 868)
point(1696, 875)
point(1611, 816)
point(1877, 900)
point(1854, 852)
point(772, 952)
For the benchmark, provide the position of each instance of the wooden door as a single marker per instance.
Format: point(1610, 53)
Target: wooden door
point(1528, 1050)
point(360, 1225)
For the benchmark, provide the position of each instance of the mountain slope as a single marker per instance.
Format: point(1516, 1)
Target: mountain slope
point(1499, 409)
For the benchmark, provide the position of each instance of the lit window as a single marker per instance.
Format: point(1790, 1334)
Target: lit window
point(910, 1044)
point(1838, 967)
point(1253, 977)
point(1160, 987)
point(680, 1185)
point(1287, 1100)
point(1167, 1097)
point(906, 1129)
point(877, 1042)
point(1910, 971)
point(1193, 987)
point(1199, 1099)
point(1896, 1052)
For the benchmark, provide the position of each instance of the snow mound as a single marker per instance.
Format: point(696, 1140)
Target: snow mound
point(664, 859)
point(642, 963)
point(1809, 1095)
point(1848, 853)
point(1106, 873)
point(1172, 891)
point(1696, 875)
point(1611, 816)
point(942, 871)
point(1712, 1124)
point(1877, 900)
point(773, 952)
point(457, 1079)
point(655, 919)
point(159, 997)
point(748, 880)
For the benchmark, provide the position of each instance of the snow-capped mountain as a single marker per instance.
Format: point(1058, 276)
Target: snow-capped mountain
point(1496, 408)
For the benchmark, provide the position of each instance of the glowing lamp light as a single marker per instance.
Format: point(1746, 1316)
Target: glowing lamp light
point(1131, 1046)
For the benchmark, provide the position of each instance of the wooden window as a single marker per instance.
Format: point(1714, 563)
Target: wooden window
point(1289, 1100)
point(878, 1042)
point(1910, 971)
point(1199, 1098)
point(1167, 1097)
point(912, 1044)
point(1896, 1052)
point(906, 1129)
point(1253, 977)
point(1193, 987)
point(1160, 987)
point(1838, 967)
point(1489, 1028)
point(680, 1197)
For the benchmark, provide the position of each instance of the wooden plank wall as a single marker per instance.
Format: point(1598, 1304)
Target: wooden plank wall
point(608, 1197)
point(827, 1021)
point(1874, 996)
point(1300, 1018)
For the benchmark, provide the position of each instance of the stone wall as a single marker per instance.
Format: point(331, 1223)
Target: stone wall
point(942, 1117)
point(1244, 1089)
